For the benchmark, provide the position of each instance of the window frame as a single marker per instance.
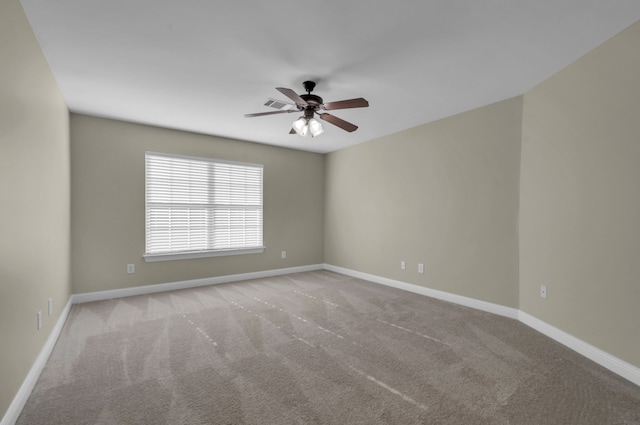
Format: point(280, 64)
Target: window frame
point(204, 253)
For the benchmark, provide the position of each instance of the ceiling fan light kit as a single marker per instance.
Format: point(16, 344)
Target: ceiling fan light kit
point(303, 126)
point(311, 105)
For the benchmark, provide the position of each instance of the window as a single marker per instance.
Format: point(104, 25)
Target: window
point(200, 207)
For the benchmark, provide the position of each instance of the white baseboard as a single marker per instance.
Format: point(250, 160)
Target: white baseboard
point(604, 359)
point(172, 286)
point(498, 309)
point(15, 408)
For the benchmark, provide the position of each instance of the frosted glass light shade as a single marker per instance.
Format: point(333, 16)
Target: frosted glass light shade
point(301, 126)
point(315, 127)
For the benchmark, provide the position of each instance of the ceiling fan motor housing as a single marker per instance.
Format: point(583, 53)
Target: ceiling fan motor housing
point(312, 100)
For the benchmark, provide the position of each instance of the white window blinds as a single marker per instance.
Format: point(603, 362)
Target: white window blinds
point(200, 205)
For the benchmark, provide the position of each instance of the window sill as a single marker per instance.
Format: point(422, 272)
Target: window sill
point(151, 258)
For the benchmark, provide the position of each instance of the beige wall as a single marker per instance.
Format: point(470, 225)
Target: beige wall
point(34, 199)
point(580, 198)
point(108, 215)
point(444, 194)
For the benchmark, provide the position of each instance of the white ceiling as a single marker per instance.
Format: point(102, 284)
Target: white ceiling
point(200, 65)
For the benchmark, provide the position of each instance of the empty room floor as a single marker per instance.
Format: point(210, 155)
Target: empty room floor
point(314, 348)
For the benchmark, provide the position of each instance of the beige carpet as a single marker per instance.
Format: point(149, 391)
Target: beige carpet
point(314, 348)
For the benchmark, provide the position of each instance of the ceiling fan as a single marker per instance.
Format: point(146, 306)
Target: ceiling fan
point(310, 105)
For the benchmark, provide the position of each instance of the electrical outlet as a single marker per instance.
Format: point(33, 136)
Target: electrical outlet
point(50, 306)
point(39, 323)
point(403, 265)
point(283, 254)
point(543, 291)
point(420, 268)
point(131, 268)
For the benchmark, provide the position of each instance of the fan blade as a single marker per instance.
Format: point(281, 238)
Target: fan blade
point(259, 114)
point(344, 104)
point(292, 95)
point(345, 125)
